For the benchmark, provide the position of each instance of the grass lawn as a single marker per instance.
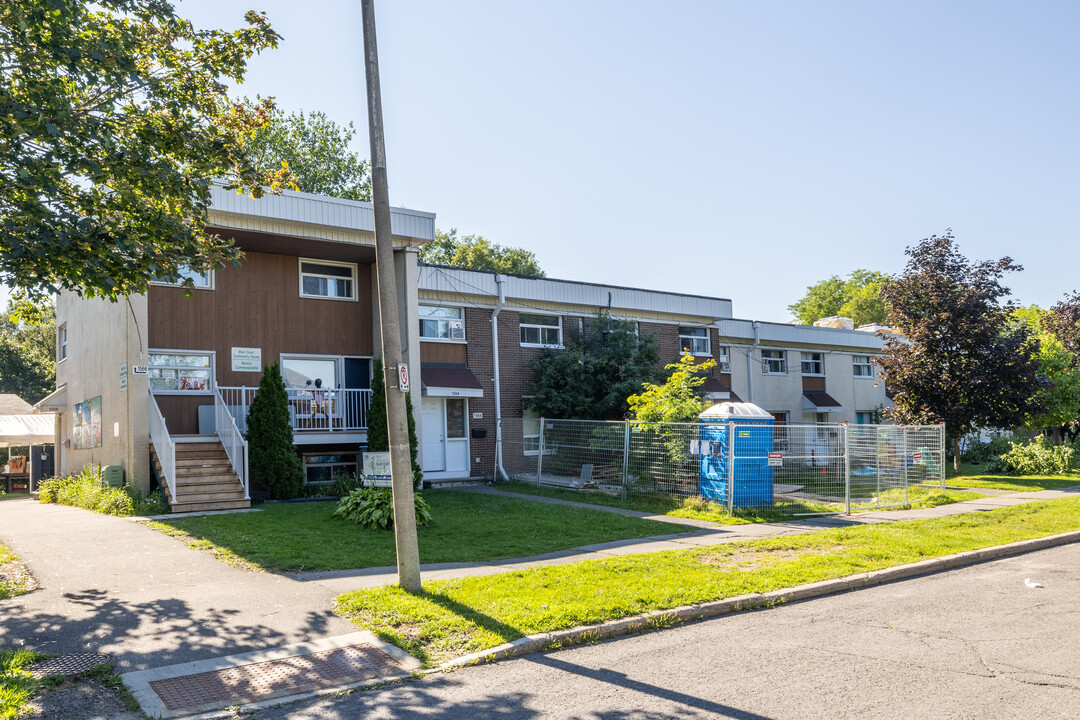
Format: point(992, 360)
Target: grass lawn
point(455, 617)
point(973, 476)
point(17, 687)
point(466, 527)
point(698, 509)
point(13, 495)
point(13, 578)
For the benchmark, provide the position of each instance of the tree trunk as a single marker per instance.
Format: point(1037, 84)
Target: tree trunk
point(956, 456)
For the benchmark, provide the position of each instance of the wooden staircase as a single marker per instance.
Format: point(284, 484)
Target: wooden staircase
point(204, 479)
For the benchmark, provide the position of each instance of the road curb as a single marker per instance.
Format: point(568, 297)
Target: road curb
point(658, 619)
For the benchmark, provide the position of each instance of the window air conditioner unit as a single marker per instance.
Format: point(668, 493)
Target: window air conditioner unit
point(457, 329)
point(764, 367)
point(725, 366)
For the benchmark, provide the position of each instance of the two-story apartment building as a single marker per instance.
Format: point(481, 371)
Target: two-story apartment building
point(304, 296)
point(480, 331)
point(161, 383)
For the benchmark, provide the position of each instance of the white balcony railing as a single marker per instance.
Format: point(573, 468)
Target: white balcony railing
point(164, 446)
point(310, 410)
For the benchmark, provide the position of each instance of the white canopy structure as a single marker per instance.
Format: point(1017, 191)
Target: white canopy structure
point(26, 429)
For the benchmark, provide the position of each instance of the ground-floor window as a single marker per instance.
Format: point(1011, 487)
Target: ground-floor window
point(864, 418)
point(325, 469)
point(530, 432)
point(180, 372)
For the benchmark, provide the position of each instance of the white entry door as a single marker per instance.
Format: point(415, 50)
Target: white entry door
point(446, 436)
point(433, 428)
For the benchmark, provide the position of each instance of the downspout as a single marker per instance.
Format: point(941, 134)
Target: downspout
point(750, 359)
point(495, 368)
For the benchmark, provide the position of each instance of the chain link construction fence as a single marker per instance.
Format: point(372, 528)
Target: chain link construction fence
point(785, 469)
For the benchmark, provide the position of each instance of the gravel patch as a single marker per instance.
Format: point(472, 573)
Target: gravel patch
point(82, 700)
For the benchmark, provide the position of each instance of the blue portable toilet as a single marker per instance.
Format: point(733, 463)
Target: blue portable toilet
point(752, 442)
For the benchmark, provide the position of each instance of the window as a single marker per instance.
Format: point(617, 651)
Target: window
point(455, 418)
point(694, 340)
point(864, 418)
point(442, 323)
point(723, 359)
point(530, 432)
point(773, 362)
point(861, 367)
point(61, 343)
point(302, 372)
point(203, 279)
point(325, 469)
point(180, 372)
point(540, 330)
point(325, 279)
point(813, 363)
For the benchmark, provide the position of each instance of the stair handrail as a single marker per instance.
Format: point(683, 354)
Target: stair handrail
point(236, 447)
point(164, 446)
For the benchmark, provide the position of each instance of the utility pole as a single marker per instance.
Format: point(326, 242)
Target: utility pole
point(408, 554)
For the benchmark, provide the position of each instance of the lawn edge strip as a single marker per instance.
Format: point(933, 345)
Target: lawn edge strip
point(658, 619)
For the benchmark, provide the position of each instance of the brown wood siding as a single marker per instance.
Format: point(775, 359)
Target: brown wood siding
point(259, 305)
point(813, 383)
point(181, 412)
point(444, 352)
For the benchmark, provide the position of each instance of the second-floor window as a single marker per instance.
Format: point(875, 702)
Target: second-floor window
point(540, 330)
point(325, 279)
point(694, 340)
point(813, 363)
point(861, 367)
point(442, 323)
point(61, 343)
point(773, 362)
point(180, 372)
point(203, 279)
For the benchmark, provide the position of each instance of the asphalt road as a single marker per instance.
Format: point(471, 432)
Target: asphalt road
point(970, 643)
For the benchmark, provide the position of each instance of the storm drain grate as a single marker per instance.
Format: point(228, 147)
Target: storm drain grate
point(74, 664)
point(276, 678)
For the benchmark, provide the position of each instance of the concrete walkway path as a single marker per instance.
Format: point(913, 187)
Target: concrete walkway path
point(115, 586)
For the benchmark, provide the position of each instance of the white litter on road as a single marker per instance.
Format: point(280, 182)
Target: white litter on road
point(1032, 584)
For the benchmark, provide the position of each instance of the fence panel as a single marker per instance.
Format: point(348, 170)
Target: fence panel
point(788, 469)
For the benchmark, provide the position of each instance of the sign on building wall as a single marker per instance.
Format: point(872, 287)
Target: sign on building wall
point(246, 359)
point(86, 424)
point(123, 376)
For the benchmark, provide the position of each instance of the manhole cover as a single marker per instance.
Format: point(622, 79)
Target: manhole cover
point(74, 664)
point(275, 678)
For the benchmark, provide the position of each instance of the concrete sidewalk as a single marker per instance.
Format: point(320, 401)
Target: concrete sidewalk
point(706, 533)
point(115, 586)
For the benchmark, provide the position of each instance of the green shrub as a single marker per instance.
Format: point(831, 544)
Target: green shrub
point(85, 490)
point(275, 466)
point(980, 453)
point(374, 508)
point(1039, 457)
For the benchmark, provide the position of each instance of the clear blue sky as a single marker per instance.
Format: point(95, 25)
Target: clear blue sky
point(743, 150)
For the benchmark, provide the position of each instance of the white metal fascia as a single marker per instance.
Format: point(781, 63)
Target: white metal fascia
point(556, 295)
point(229, 209)
point(780, 334)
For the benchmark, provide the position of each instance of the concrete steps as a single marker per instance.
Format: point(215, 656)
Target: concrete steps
point(204, 480)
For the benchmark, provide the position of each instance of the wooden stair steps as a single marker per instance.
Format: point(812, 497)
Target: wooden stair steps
point(204, 480)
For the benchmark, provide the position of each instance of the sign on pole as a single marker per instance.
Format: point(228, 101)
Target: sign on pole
point(403, 377)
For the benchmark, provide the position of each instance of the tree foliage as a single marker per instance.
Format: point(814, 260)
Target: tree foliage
point(275, 466)
point(596, 370)
point(1058, 400)
point(680, 399)
point(378, 437)
point(113, 120)
point(960, 359)
point(28, 353)
point(315, 149)
point(475, 252)
point(857, 297)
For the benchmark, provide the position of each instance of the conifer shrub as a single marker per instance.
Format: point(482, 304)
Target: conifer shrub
point(274, 465)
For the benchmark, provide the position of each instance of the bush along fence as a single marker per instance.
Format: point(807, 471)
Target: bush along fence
point(741, 465)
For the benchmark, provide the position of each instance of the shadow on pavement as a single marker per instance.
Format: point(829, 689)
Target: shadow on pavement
point(152, 634)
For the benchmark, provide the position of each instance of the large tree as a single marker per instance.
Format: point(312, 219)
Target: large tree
point(475, 252)
point(960, 358)
point(315, 149)
point(1058, 400)
point(857, 297)
point(596, 370)
point(28, 353)
point(113, 120)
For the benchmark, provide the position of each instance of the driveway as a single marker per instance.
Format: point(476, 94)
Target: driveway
point(111, 585)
